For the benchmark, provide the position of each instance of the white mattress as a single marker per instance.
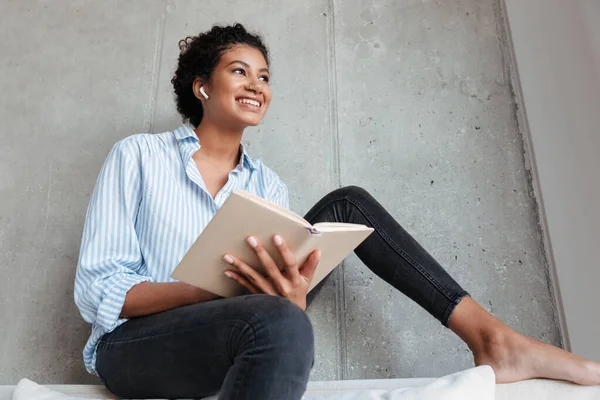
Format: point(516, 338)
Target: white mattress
point(533, 389)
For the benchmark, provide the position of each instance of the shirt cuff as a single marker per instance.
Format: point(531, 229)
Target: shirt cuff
point(114, 297)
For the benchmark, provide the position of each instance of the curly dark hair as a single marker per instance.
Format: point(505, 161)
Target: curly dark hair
point(198, 58)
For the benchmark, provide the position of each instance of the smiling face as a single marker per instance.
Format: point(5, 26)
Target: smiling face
point(238, 91)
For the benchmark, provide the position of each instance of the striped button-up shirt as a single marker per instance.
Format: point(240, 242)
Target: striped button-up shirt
point(148, 207)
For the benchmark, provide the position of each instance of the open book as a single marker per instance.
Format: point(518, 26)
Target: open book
point(244, 214)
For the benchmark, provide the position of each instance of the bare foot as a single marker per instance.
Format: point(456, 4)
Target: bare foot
point(513, 356)
point(516, 357)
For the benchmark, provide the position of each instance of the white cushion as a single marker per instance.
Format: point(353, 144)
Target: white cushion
point(384, 388)
point(29, 390)
point(476, 383)
point(473, 384)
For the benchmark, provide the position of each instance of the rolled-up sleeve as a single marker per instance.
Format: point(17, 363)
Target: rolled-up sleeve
point(110, 259)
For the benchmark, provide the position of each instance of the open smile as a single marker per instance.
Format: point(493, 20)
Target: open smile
point(249, 104)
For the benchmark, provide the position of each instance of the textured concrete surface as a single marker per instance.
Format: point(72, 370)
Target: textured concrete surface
point(426, 123)
point(409, 99)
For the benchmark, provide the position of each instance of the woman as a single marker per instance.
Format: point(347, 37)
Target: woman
point(153, 337)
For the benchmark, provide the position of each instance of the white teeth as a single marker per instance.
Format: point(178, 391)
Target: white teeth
point(249, 101)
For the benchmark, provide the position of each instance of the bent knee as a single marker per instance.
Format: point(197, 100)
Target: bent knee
point(282, 322)
point(352, 191)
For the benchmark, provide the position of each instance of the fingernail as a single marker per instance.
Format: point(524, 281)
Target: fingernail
point(228, 259)
point(252, 242)
point(278, 240)
point(228, 274)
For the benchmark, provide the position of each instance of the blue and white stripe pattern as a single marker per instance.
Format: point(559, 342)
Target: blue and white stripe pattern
point(148, 207)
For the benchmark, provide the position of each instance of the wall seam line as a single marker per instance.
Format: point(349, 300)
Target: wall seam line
point(156, 67)
point(341, 368)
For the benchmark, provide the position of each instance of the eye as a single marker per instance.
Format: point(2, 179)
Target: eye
point(240, 70)
point(265, 78)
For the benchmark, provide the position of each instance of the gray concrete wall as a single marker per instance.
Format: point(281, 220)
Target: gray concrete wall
point(557, 51)
point(410, 99)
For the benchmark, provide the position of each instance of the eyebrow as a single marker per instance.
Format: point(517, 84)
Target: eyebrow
point(247, 65)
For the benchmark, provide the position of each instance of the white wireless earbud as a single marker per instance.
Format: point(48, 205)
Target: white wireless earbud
point(203, 92)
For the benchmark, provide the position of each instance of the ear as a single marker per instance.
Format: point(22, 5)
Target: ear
point(196, 85)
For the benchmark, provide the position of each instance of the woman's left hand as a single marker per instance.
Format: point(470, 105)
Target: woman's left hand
point(292, 283)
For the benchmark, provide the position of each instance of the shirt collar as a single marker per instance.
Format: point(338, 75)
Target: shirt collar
point(185, 131)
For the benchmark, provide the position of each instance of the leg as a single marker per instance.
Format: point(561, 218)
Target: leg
point(392, 254)
point(248, 347)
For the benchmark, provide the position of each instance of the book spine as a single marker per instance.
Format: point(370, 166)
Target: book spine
point(313, 230)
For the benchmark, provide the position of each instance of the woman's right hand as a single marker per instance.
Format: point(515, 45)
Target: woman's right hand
point(292, 282)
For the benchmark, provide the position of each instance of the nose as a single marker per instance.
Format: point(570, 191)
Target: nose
point(254, 88)
point(254, 85)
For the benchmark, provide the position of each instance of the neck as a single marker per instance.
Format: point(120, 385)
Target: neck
point(219, 144)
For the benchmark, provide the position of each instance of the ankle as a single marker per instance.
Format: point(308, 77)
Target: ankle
point(494, 340)
point(476, 327)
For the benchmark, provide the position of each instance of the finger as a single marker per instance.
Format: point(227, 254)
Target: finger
point(291, 264)
point(249, 273)
point(310, 266)
point(242, 281)
point(270, 267)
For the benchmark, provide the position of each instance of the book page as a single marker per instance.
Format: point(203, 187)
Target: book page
point(338, 226)
point(272, 206)
point(334, 246)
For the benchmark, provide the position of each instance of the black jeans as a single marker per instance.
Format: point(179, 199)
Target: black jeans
point(261, 346)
